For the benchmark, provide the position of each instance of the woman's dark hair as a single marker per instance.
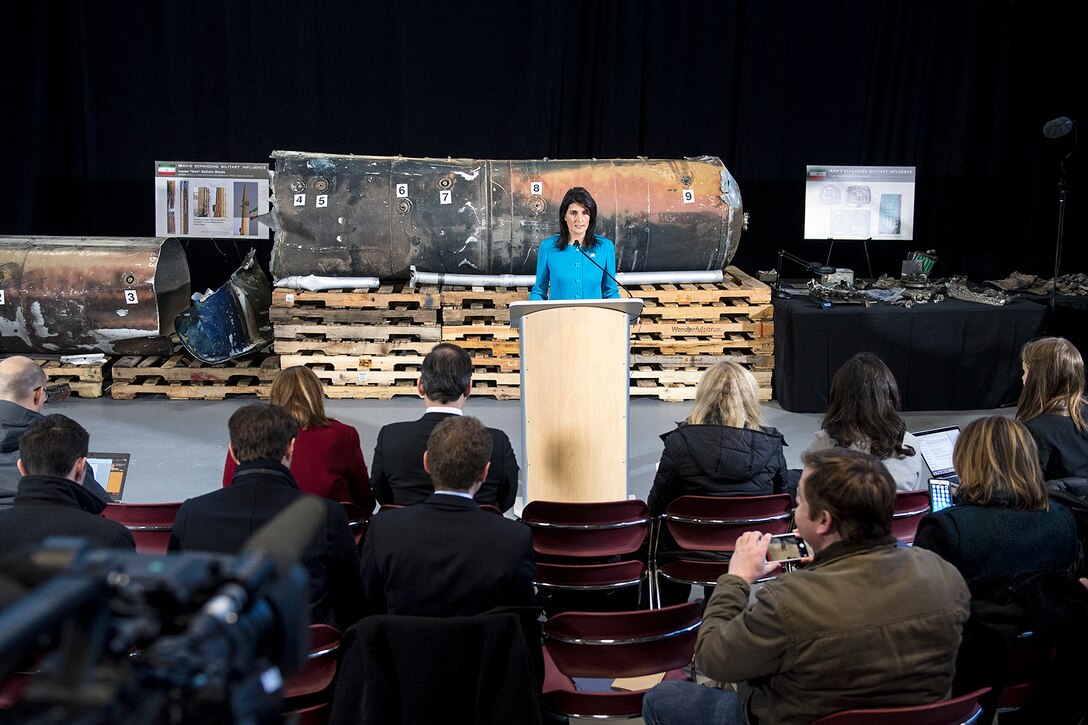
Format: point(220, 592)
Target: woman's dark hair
point(863, 408)
point(577, 195)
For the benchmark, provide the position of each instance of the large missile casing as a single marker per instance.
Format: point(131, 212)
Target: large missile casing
point(67, 294)
point(378, 216)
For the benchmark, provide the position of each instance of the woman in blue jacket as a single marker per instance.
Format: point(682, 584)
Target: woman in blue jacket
point(576, 264)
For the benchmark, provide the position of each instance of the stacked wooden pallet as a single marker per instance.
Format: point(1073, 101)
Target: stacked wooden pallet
point(362, 344)
point(686, 328)
point(478, 319)
point(86, 381)
point(182, 377)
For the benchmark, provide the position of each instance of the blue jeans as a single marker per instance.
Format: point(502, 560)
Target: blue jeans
point(687, 703)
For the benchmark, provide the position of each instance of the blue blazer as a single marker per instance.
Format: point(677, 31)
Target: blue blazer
point(568, 275)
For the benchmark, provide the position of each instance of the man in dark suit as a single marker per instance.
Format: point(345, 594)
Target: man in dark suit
point(262, 441)
point(396, 472)
point(50, 499)
point(446, 557)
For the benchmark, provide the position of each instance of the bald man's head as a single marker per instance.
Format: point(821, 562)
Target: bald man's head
point(22, 381)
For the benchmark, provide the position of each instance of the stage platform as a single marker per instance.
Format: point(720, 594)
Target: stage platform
point(178, 446)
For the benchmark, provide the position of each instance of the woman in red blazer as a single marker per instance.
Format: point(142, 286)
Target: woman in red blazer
point(328, 460)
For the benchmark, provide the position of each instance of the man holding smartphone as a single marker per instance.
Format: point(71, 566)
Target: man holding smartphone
point(867, 624)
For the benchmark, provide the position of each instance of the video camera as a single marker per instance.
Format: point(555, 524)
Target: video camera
point(119, 637)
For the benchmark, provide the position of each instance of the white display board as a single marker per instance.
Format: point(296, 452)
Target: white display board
point(208, 199)
point(859, 202)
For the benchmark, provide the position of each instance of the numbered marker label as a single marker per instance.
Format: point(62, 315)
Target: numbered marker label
point(445, 197)
point(1, 296)
point(289, 298)
point(536, 188)
point(322, 201)
point(362, 377)
point(689, 196)
point(402, 191)
point(300, 200)
point(130, 297)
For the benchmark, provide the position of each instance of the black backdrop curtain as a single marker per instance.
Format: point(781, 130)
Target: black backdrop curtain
point(96, 91)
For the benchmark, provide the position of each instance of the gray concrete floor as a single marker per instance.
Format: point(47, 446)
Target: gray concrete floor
point(178, 446)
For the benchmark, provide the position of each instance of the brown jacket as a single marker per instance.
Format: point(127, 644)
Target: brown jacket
point(863, 626)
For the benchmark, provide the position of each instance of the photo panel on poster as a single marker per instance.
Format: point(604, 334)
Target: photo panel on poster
point(208, 199)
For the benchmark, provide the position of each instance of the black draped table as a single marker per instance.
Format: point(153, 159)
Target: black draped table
point(952, 355)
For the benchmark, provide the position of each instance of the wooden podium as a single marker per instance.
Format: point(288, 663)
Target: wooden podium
point(574, 397)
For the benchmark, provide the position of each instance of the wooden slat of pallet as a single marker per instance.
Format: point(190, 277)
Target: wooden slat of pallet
point(182, 368)
point(340, 316)
point(388, 362)
point(702, 362)
point(453, 296)
point(358, 332)
point(54, 369)
point(706, 313)
point(679, 394)
point(425, 298)
point(703, 329)
point(491, 348)
point(176, 391)
point(688, 378)
point(478, 332)
point(735, 285)
point(404, 377)
point(461, 316)
point(388, 347)
point(649, 346)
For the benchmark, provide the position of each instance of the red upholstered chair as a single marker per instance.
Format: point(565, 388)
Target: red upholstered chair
point(572, 540)
point(712, 524)
point(580, 647)
point(959, 711)
point(150, 523)
point(910, 507)
point(308, 693)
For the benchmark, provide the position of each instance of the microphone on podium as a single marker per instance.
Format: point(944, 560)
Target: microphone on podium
point(578, 246)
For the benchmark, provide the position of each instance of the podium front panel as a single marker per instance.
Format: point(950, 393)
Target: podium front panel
point(574, 389)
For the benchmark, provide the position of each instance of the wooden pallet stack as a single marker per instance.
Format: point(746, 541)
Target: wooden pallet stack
point(686, 328)
point(86, 381)
point(478, 319)
point(180, 376)
point(361, 343)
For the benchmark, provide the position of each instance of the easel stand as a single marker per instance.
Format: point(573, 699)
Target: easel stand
point(865, 246)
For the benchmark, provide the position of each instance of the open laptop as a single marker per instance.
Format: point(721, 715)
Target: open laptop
point(936, 448)
point(110, 470)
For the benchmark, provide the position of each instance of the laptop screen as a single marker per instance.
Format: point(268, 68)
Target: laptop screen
point(110, 470)
point(936, 449)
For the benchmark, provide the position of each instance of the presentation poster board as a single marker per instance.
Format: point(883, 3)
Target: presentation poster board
point(859, 202)
point(210, 199)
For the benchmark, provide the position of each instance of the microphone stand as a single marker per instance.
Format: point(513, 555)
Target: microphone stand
point(578, 246)
point(1058, 246)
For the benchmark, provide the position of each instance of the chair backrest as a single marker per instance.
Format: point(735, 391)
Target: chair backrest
point(150, 523)
point(623, 644)
point(910, 507)
point(357, 519)
point(589, 577)
point(713, 523)
point(958, 711)
point(319, 669)
point(609, 528)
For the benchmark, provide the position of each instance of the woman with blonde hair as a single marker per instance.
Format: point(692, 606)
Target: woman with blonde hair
point(328, 460)
point(863, 414)
point(1052, 406)
point(1003, 523)
point(723, 448)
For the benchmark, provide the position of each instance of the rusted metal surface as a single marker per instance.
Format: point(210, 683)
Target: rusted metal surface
point(69, 294)
point(378, 216)
point(233, 320)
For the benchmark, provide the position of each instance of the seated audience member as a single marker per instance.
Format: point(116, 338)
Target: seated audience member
point(723, 448)
point(22, 395)
point(50, 500)
point(397, 475)
point(863, 414)
point(446, 557)
point(867, 624)
point(328, 460)
point(1052, 406)
point(1004, 524)
point(262, 442)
